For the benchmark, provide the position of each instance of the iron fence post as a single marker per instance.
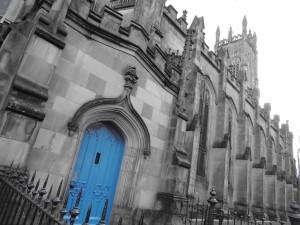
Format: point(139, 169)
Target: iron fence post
point(212, 203)
point(234, 215)
point(75, 212)
point(221, 217)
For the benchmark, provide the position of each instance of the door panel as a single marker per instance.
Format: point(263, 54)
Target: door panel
point(96, 171)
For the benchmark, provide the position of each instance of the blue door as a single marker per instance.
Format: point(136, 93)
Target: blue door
point(96, 171)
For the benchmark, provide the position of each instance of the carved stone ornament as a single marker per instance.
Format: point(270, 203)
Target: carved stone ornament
point(130, 77)
point(117, 110)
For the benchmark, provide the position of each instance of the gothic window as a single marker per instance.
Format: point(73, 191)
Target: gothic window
point(203, 119)
point(235, 68)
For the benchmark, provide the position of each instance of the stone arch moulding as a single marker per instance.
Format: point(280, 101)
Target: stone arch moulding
point(117, 110)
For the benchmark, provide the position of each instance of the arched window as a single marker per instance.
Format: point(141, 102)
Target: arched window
point(203, 115)
point(229, 131)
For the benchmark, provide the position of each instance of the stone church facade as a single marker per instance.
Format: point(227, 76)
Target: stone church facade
point(189, 118)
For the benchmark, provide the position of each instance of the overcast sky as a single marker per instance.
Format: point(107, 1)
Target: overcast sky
point(276, 23)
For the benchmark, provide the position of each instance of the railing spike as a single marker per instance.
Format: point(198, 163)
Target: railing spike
point(46, 181)
point(49, 193)
point(102, 220)
point(59, 188)
point(56, 200)
point(37, 184)
point(33, 177)
point(64, 211)
point(47, 200)
point(35, 192)
point(43, 191)
point(75, 212)
point(88, 214)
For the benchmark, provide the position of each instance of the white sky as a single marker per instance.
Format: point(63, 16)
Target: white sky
point(276, 23)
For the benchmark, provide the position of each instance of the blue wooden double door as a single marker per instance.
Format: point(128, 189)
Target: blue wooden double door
point(96, 171)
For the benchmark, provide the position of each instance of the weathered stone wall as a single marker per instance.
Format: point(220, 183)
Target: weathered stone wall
point(51, 66)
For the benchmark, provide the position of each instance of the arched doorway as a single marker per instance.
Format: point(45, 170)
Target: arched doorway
point(97, 170)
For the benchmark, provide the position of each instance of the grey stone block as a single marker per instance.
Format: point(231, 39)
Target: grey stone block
point(162, 132)
point(69, 53)
point(59, 85)
point(37, 69)
point(147, 111)
point(96, 84)
point(166, 108)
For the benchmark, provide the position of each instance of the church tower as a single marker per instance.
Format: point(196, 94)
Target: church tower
point(243, 55)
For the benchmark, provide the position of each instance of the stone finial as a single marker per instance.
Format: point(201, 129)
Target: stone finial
point(245, 26)
point(184, 15)
point(212, 199)
point(218, 33)
point(230, 34)
point(130, 77)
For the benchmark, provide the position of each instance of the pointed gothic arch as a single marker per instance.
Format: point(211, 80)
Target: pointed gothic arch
point(121, 114)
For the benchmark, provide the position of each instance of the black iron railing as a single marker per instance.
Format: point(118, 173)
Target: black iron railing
point(22, 202)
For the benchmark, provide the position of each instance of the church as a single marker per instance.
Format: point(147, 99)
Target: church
point(124, 100)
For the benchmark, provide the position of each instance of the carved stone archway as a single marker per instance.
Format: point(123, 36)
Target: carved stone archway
point(121, 113)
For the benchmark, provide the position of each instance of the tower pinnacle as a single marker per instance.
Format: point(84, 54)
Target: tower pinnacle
point(217, 39)
point(230, 34)
point(245, 26)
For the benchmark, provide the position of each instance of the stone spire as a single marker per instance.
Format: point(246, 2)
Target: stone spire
point(245, 27)
point(230, 34)
point(217, 39)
